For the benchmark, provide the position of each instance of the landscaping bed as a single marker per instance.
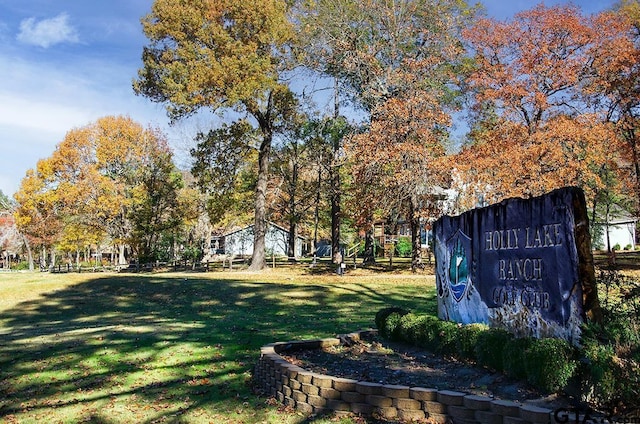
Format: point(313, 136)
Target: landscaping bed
point(376, 360)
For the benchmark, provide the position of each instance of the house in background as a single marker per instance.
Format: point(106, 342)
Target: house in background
point(622, 232)
point(240, 242)
point(619, 230)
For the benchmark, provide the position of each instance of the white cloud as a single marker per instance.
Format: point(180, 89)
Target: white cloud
point(47, 32)
point(45, 116)
point(41, 101)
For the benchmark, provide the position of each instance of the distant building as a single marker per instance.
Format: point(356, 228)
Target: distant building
point(323, 249)
point(621, 229)
point(240, 242)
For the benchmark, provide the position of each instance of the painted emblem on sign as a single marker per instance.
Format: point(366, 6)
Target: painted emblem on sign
point(459, 247)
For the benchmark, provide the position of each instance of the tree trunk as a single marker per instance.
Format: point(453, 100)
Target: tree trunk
point(606, 228)
point(335, 216)
point(369, 245)
point(29, 253)
point(293, 218)
point(291, 245)
point(316, 216)
point(586, 269)
point(416, 247)
point(335, 185)
point(260, 223)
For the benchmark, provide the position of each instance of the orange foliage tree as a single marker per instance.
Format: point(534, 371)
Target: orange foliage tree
point(399, 62)
point(615, 85)
point(36, 215)
point(533, 128)
point(110, 179)
point(397, 162)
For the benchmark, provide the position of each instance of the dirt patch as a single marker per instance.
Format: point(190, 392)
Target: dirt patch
point(379, 361)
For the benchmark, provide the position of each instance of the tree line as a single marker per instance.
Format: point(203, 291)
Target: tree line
point(550, 98)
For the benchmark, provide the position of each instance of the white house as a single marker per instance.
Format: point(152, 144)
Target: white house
point(622, 232)
point(620, 228)
point(240, 242)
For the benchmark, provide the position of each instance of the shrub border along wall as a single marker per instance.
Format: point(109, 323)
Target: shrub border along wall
point(313, 393)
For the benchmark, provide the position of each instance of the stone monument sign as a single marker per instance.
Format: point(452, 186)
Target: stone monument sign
point(523, 264)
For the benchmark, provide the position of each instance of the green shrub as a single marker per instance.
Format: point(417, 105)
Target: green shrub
point(392, 326)
point(490, 348)
point(388, 321)
point(620, 302)
point(610, 371)
point(448, 334)
point(598, 372)
point(425, 332)
point(467, 340)
point(382, 314)
point(403, 247)
point(410, 327)
point(513, 357)
point(549, 363)
point(23, 265)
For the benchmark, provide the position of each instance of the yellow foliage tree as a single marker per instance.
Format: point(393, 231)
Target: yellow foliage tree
point(112, 177)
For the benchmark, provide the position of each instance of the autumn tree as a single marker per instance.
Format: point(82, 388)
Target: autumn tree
point(532, 130)
point(11, 240)
point(399, 62)
point(112, 178)
point(613, 87)
point(222, 55)
point(37, 212)
point(77, 238)
point(397, 164)
point(529, 68)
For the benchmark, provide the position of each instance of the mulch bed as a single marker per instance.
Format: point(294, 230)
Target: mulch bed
point(379, 361)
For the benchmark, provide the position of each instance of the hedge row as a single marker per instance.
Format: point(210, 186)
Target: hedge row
point(595, 369)
point(546, 363)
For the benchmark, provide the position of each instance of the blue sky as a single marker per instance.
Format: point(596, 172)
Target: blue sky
point(66, 63)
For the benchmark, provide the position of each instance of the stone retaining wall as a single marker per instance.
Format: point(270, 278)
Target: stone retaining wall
point(312, 393)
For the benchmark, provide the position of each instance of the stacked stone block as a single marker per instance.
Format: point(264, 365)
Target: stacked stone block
point(312, 393)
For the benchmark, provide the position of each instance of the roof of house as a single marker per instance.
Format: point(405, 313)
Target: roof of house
point(618, 215)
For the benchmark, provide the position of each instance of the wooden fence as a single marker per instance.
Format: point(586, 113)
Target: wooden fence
point(221, 264)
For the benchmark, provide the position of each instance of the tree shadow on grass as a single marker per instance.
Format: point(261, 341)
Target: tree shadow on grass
point(164, 347)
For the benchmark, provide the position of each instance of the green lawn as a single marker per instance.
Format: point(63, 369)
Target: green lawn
point(176, 348)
